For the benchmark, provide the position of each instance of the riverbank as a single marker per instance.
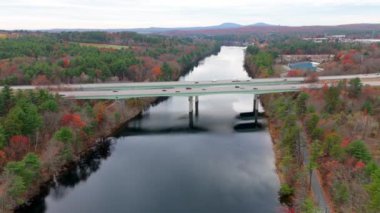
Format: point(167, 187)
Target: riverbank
point(325, 144)
point(290, 167)
point(110, 117)
point(47, 178)
point(159, 164)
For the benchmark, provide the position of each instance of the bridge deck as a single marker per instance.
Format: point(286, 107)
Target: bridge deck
point(192, 88)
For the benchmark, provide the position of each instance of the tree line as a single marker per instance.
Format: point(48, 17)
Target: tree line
point(60, 58)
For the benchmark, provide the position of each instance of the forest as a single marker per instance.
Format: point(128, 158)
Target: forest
point(42, 58)
point(40, 132)
point(345, 58)
point(339, 126)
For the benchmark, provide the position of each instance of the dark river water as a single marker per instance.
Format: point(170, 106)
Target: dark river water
point(160, 165)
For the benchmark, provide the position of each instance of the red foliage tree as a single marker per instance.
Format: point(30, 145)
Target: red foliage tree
point(312, 78)
point(66, 62)
point(348, 58)
point(156, 71)
point(325, 87)
point(359, 165)
point(99, 110)
point(345, 142)
point(18, 147)
point(41, 80)
point(73, 120)
point(295, 73)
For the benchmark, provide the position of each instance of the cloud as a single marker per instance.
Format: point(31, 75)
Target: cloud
point(42, 14)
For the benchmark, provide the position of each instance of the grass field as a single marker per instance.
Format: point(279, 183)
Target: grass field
point(3, 36)
point(109, 46)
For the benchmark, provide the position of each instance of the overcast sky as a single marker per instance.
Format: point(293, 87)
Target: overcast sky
point(105, 14)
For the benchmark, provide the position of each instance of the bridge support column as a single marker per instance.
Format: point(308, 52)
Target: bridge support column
point(191, 104)
point(255, 109)
point(196, 106)
point(121, 103)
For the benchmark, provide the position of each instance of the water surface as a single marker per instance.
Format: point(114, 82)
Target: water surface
point(160, 165)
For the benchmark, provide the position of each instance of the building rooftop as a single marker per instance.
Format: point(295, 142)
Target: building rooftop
point(305, 65)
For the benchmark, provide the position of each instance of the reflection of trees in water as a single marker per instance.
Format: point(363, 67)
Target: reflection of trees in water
point(78, 172)
point(82, 170)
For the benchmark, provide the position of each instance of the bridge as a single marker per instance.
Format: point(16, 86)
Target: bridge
point(184, 88)
point(194, 89)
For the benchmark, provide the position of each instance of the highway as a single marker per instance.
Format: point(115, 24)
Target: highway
point(193, 84)
point(194, 88)
point(125, 94)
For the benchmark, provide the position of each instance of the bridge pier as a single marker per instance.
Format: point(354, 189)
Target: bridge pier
point(196, 106)
point(191, 104)
point(255, 109)
point(121, 103)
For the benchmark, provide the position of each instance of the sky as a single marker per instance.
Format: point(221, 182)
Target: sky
point(107, 14)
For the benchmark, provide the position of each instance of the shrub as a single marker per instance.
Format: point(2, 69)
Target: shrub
point(312, 123)
point(64, 135)
point(359, 150)
point(286, 190)
point(308, 206)
point(317, 133)
point(340, 192)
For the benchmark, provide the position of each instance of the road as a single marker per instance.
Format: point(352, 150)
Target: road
point(316, 186)
point(193, 88)
point(193, 84)
point(197, 91)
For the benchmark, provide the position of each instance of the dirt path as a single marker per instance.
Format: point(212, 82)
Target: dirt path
point(316, 185)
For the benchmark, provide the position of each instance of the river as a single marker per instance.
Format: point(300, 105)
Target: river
point(160, 165)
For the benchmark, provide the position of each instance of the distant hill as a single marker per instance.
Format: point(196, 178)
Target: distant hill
point(369, 30)
point(261, 24)
point(163, 30)
point(149, 30)
point(260, 27)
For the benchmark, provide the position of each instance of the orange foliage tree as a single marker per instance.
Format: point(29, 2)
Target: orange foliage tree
point(66, 62)
point(73, 120)
point(156, 71)
point(99, 110)
point(41, 80)
point(18, 146)
point(295, 73)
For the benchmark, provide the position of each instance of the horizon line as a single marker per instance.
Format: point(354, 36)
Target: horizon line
point(179, 27)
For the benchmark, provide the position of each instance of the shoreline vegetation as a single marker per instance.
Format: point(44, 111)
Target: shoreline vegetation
point(42, 135)
point(335, 129)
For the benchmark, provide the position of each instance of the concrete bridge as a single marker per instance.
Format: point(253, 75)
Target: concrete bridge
point(184, 88)
point(194, 89)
